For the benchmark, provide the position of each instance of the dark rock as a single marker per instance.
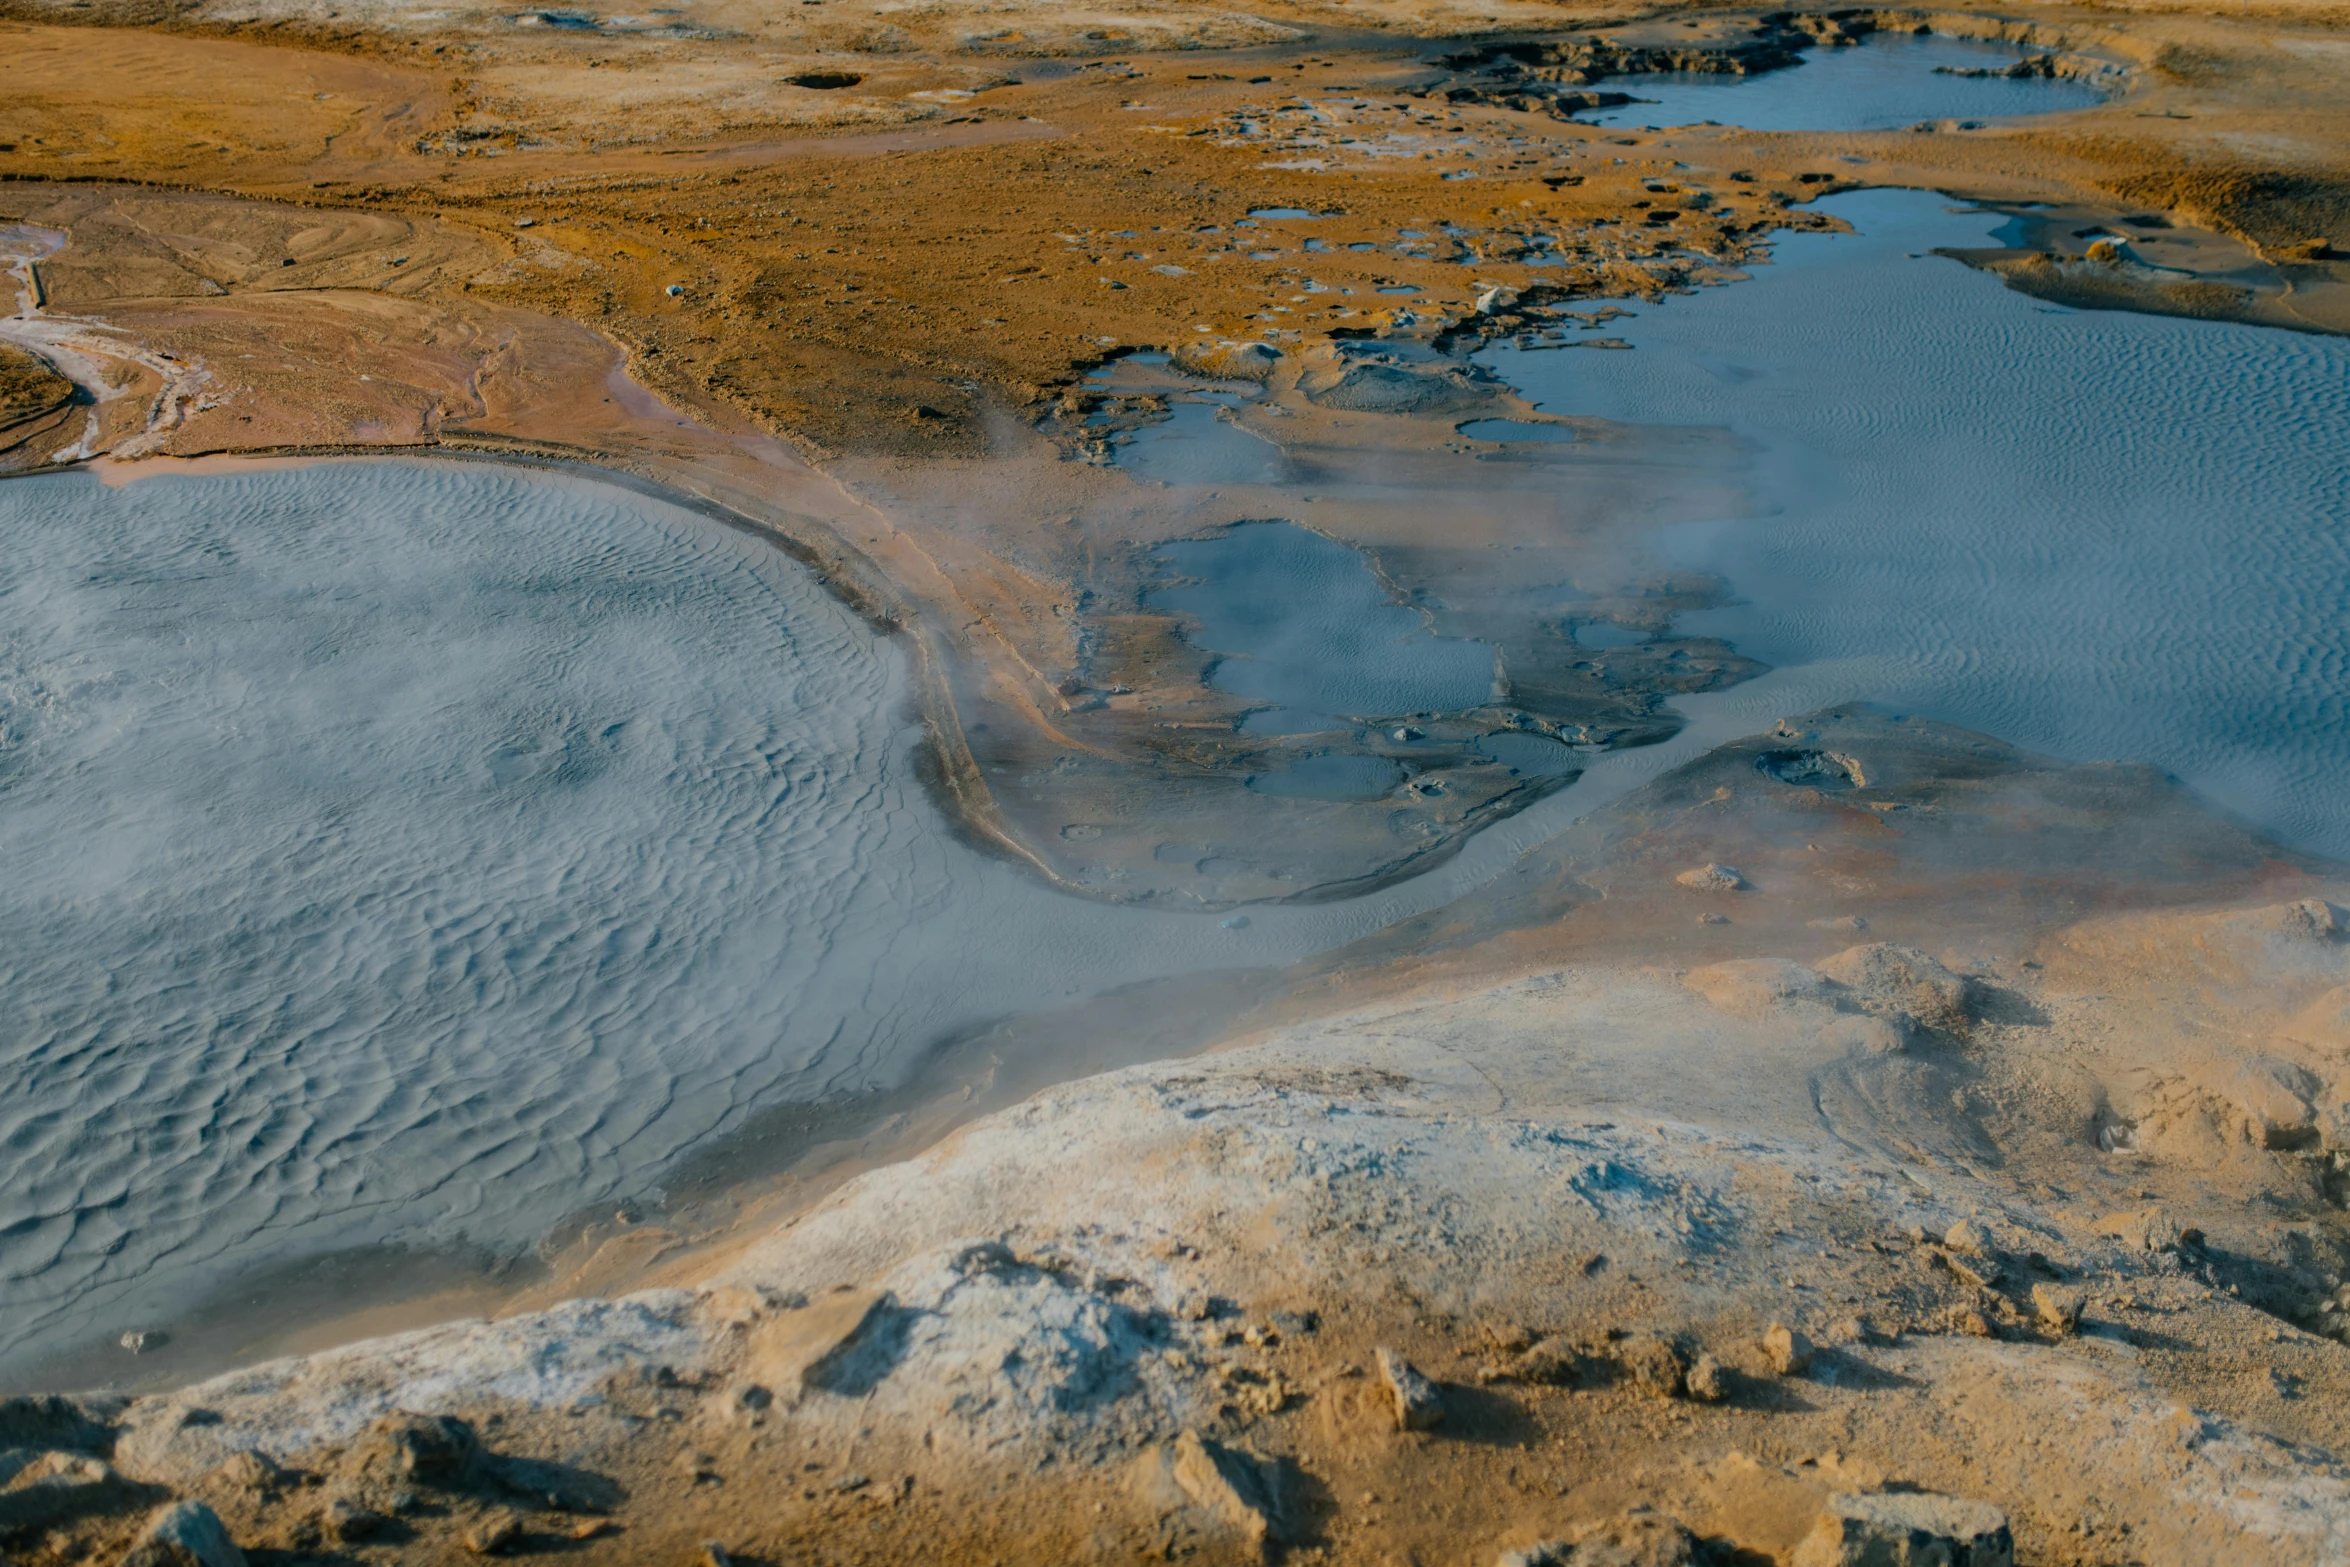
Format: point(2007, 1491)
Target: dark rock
point(348, 1522)
point(1905, 1527)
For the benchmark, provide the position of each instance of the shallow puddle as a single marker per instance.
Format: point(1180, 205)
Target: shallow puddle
point(1890, 81)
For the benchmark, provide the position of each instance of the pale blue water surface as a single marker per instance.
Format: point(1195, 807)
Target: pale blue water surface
point(415, 852)
point(2096, 534)
point(1887, 82)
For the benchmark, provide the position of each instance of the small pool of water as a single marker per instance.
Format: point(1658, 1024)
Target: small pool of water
point(1301, 622)
point(1599, 634)
point(2099, 535)
point(411, 853)
point(1194, 446)
point(1883, 84)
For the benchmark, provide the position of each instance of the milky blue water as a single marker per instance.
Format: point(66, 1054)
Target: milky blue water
point(1883, 84)
point(1302, 624)
point(415, 852)
point(2095, 534)
point(1193, 445)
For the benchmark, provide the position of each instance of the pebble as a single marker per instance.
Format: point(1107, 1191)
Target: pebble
point(494, 1535)
point(2059, 1308)
point(1418, 1405)
point(1787, 1350)
point(1651, 1365)
point(185, 1534)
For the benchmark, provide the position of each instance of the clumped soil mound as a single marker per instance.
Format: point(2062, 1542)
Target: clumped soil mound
point(29, 387)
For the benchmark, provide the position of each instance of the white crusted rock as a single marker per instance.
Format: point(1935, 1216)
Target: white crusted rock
point(1906, 1529)
point(185, 1534)
point(1418, 1406)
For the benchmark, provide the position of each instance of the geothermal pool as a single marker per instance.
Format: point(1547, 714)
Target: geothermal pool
point(417, 853)
point(2099, 535)
point(408, 852)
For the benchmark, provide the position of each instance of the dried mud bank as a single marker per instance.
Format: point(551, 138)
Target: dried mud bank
point(487, 231)
point(1706, 1217)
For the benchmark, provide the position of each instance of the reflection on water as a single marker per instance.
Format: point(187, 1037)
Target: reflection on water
point(2100, 535)
point(1888, 82)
